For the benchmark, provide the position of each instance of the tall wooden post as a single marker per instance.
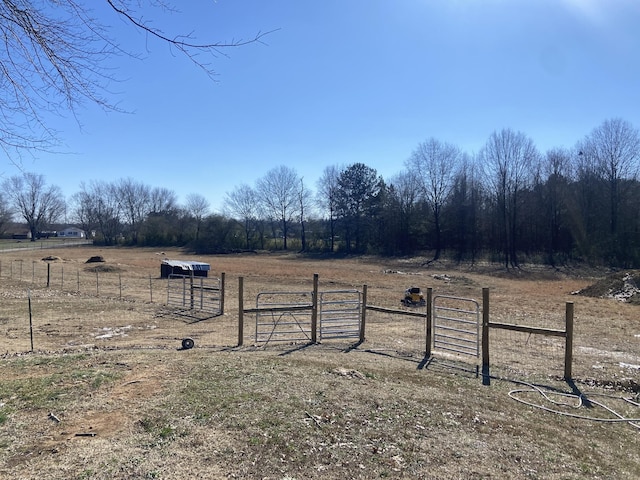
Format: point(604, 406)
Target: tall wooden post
point(568, 346)
point(314, 310)
point(429, 340)
point(363, 318)
point(48, 274)
point(240, 310)
point(222, 280)
point(486, 377)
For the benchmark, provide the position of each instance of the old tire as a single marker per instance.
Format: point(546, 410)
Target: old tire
point(188, 343)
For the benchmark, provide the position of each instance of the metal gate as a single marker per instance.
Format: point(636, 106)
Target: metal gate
point(456, 325)
point(340, 314)
point(283, 316)
point(195, 293)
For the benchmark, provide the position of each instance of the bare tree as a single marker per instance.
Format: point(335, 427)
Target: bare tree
point(242, 203)
point(614, 147)
point(53, 54)
point(507, 158)
point(34, 200)
point(82, 211)
point(99, 205)
point(198, 206)
point(327, 198)
point(278, 192)
point(304, 205)
point(552, 182)
point(6, 214)
point(435, 164)
point(135, 204)
point(466, 209)
point(163, 201)
point(404, 194)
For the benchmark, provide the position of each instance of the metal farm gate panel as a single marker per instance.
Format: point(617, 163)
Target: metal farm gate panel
point(340, 314)
point(283, 316)
point(456, 325)
point(195, 293)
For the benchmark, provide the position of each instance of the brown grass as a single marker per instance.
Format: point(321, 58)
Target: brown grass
point(108, 393)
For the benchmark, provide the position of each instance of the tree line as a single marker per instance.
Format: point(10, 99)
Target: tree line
point(507, 203)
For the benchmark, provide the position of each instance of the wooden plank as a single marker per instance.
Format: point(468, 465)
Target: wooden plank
point(278, 309)
point(396, 311)
point(527, 329)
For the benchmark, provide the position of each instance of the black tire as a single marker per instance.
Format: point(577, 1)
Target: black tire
point(188, 343)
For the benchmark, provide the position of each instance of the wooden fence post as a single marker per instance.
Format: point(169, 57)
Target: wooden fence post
point(314, 310)
point(568, 347)
point(429, 339)
point(48, 274)
point(240, 310)
point(363, 320)
point(486, 379)
point(222, 282)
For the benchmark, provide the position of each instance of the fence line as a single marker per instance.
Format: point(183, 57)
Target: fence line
point(111, 284)
point(97, 283)
point(567, 334)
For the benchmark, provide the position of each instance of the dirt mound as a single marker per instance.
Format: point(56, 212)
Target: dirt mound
point(622, 286)
point(104, 269)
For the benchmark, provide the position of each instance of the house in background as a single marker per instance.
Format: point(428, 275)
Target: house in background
point(72, 232)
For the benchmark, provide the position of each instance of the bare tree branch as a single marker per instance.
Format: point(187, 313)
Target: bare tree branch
point(53, 58)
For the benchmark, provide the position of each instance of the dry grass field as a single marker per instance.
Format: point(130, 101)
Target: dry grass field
point(108, 392)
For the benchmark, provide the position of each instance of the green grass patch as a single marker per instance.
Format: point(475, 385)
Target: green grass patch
point(40, 382)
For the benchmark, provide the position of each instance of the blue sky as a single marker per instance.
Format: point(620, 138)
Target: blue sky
point(344, 81)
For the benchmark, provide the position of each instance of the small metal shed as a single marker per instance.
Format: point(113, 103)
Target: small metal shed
point(182, 267)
